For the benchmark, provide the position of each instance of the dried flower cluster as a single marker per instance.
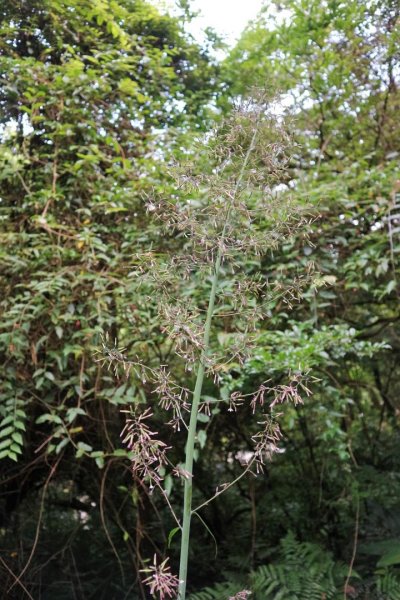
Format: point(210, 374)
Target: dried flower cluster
point(148, 453)
point(219, 218)
point(266, 440)
point(160, 580)
point(243, 595)
point(236, 217)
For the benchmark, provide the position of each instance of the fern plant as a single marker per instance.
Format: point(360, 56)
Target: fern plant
point(304, 572)
point(388, 585)
point(12, 425)
point(220, 591)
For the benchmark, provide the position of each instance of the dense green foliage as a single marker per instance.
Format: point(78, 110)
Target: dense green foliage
point(89, 92)
point(337, 65)
point(95, 98)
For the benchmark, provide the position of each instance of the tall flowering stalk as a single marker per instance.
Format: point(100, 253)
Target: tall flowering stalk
point(187, 502)
point(235, 211)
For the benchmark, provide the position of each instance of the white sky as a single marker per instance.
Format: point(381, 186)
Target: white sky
point(227, 17)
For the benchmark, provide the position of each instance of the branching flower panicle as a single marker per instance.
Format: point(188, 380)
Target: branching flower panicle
point(266, 440)
point(172, 397)
point(232, 206)
point(183, 329)
point(148, 453)
point(110, 354)
point(292, 391)
point(160, 580)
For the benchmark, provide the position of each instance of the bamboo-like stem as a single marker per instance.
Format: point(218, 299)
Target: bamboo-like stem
point(191, 438)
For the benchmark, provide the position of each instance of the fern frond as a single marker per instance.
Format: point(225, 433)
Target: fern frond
point(304, 572)
point(220, 591)
point(388, 585)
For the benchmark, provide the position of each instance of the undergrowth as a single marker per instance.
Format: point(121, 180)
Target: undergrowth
point(304, 571)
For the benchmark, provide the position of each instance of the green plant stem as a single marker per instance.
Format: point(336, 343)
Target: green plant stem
point(187, 501)
point(191, 438)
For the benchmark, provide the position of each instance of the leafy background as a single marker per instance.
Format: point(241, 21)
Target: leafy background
point(97, 99)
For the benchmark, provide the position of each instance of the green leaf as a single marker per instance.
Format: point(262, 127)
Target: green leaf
point(127, 86)
point(17, 437)
point(172, 534)
point(391, 557)
point(5, 443)
point(391, 286)
point(20, 425)
point(49, 418)
point(61, 445)
point(7, 431)
point(97, 453)
point(84, 447)
point(209, 531)
point(202, 437)
point(120, 452)
point(72, 413)
point(16, 448)
point(168, 484)
point(202, 418)
point(99, 461)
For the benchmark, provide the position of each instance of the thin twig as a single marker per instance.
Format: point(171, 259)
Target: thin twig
point(37, 533)
point(226, 487)
point(103, 519)
point(17, 580)
point(165, 496)
point(353, 557)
